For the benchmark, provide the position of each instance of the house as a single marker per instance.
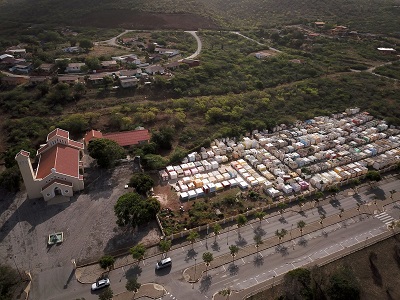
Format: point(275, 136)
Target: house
point(70, 79)
point(263, 55)
point(3, 56)
point(153, 70)
point(13, 80)
point(74, 49)
point(129, 82)
point(46, 69)
point(109, 64)
point(74, 67)
point(173, 65)
point(38, 79)
point(97, 78)
point(191, 62)
point(130, 73)
point(16, 52)
point(387, 51)
point(128, 41)
point(22, 68)
point(59, 171)
point(167, 52)
point(339, 30)
point(319, 24)
point(124, 138)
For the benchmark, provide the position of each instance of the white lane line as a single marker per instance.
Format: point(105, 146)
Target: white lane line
point(243, 261)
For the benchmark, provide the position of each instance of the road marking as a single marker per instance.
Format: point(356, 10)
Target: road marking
point(224, 268)
point(251, 225)
point(260, 254)
point(201, 242)
point(243, 261)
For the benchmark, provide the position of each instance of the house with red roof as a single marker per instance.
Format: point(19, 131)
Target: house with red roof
point(59, 170)
point(124, 138)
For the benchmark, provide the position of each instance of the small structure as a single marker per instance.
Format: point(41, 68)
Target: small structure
point(387, 51)
point(74, 67)
point(124, 138)
point(55, 238)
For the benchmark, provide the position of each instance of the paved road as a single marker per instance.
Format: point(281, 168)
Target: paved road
point(248, 272)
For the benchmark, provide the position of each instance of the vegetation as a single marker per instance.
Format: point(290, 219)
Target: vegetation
point(207, 258)
point(217, 229)
point(142, 183)
point(192, 237)
point(138, 252)
point(241, 221)
point(105, 151)
point(132, 285)
point(234, 251)
point(132, 209)
point(8, 281)
point(164, 245)
point(107, 261)
point(106, 294)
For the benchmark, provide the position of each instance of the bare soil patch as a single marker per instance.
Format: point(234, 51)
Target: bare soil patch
point(101, 50)
point(143, 20)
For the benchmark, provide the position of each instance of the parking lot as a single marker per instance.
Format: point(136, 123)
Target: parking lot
point(87, 221)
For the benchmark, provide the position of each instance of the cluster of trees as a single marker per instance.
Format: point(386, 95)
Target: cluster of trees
point(134, 210)
point(106, 152)
point(304, 284)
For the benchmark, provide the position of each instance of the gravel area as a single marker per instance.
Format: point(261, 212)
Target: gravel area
point(87, 221)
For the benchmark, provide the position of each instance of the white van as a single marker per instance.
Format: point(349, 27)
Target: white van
point(166, 262)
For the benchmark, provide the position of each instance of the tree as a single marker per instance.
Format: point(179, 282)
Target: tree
point(241, 221)
point(8, 279)
point(297, 284)
point(164, 246)
point(106, 261)
point(234, 250)
point(301, 202)
point(132, 209)
point(258, 241)
point(373, 176)
point(217, 229)
point(105, 151)
point(321, 220)
point(142, 183)
point(163, 138)
point(60, 94)
point(225, 292)
point(192, 237)
point(86, 44)
point(301, 224)
point(207, 258)
point(10, 179)
point(107, 294)
point(281, 234)
point(93, 63)
point(343, 285)
point(260, 215)
point(133, 286)
point(138, 252)
point(281, 207)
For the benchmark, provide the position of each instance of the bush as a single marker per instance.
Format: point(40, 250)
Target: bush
point(142, 183)
point(106, 261)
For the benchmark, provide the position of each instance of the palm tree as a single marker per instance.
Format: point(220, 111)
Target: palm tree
point(301, 224)
point(281, 234)
point(217, 230)
point(164, 246)
point(133, 286)
point(225, 293)
point(234, 250)
point(282, 206)
point(192, 237)
point(258, 241)
point(137, 252)
point(260, 215)
point(321, 220)
point(207, 258)
point(301, 202)
point(241, 221)
point(392, 192)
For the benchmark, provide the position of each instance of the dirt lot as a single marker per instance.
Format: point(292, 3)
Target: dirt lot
point(142, 20)
point(88, 223)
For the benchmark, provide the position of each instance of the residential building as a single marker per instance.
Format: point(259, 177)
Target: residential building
point(59, 170)
point(74, 67)
point(129, 82)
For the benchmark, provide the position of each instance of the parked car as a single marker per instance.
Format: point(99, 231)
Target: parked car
point(101, 283)
point(166, 262)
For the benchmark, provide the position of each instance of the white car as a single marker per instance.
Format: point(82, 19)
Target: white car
point(100, 284)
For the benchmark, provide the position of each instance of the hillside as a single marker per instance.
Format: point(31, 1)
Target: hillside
point(378, 15)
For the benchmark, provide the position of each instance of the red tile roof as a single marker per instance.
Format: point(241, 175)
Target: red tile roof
point(128, 138)
point(59, 132)
point(64, 159)
point(91, 135)
point(24, 153)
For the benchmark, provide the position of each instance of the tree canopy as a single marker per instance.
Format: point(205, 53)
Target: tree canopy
point(132, 209)
point(105, 151)
point(142, 183)
point(8, 279)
